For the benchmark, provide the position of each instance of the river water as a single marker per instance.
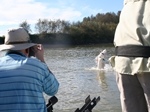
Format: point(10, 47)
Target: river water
point(76, 71)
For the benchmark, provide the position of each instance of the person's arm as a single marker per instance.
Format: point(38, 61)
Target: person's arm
point(39, 53)
point(50, 83)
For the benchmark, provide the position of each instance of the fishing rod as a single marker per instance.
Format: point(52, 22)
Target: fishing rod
point(87, 107)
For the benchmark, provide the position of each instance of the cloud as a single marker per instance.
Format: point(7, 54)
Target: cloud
point(14, 12)
point(17, 11)
point(90, 10)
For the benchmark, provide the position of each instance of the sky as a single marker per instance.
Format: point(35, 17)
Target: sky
point(14, 12)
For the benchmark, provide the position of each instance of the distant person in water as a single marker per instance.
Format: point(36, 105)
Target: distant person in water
point(100, 59)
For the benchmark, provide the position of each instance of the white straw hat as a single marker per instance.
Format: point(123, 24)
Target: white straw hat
point(16, 39)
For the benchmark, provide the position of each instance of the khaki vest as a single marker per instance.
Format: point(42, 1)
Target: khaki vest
point(133, 29)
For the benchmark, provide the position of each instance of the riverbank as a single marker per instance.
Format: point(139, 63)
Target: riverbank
point(66, 46)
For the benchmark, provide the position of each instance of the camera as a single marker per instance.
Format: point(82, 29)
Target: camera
point(31, 52)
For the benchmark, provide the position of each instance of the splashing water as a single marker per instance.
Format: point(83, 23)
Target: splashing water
point(106, 68)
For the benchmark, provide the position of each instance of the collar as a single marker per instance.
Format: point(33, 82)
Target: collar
point(15, 52)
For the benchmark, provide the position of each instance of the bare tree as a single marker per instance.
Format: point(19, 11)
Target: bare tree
point(26, 26)
point(42, 26)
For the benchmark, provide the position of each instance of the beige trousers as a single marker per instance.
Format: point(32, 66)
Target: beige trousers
point(134, 92)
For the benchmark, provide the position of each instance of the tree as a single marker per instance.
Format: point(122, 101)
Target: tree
point(42, 26)
point(26, 26)
point(49, 26)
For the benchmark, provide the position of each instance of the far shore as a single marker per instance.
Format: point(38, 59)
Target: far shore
point(89, 45)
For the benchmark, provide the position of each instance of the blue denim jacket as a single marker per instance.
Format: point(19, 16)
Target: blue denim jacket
point(22, 83)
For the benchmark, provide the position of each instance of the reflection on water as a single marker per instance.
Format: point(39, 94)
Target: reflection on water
point(102, 79)
point(76, 70)
point(79, 77)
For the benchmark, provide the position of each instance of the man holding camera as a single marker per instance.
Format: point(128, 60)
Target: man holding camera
point(22, 79)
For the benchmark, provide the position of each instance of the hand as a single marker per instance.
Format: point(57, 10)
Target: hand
point(39, 52)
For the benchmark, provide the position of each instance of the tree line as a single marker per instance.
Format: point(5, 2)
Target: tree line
point(91, 30)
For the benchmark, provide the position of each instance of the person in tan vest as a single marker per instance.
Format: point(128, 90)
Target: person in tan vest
point(131, 60)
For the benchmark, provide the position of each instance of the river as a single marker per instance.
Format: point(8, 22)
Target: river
point(75, 69)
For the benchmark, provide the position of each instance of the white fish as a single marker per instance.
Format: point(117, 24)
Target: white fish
point(100, 59)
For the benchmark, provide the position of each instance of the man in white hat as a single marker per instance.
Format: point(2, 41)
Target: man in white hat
point(23, 80)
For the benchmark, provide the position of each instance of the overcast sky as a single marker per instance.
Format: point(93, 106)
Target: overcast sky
point(14, 12)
